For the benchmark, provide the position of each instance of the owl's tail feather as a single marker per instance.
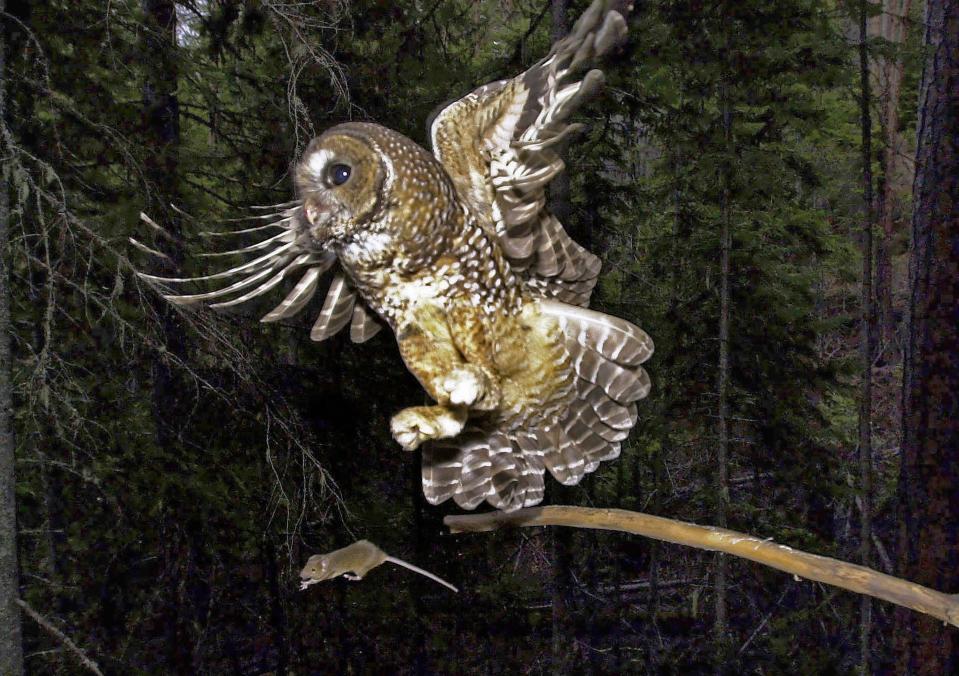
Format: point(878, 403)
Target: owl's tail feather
point(606, 354)
point(506, 468)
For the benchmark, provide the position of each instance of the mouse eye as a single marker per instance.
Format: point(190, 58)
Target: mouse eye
point(339, 174)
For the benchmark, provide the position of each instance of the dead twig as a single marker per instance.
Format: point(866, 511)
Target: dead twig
point(801, 564)
point(48, 627)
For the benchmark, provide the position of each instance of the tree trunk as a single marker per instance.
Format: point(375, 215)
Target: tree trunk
point(278, 623)
point(419, 638)
point(161, 109)
point(11, 644)
point(161, 137)
point(865, 340)
point(161, 140)
point(890, 73)
point(929, 478)
point(722, 384)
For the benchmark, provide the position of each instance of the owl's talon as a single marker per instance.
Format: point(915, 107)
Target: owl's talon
point(412, 426)
point(463, 387)
point(469, 386)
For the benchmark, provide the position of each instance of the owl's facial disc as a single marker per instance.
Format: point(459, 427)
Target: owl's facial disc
point(339, 179)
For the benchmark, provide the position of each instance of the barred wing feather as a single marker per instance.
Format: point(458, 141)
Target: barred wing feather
point(500, 144)
point(286, 255)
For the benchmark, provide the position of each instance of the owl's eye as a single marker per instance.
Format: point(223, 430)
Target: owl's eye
point(339, 174)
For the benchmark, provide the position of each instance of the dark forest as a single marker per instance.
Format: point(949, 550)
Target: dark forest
point(773, 191)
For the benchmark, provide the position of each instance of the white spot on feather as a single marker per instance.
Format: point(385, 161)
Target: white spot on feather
point(419, 290)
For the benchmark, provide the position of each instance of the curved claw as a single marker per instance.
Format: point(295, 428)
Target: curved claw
point(412, 426)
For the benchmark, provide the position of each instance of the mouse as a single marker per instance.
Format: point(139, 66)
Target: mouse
point(353, 562)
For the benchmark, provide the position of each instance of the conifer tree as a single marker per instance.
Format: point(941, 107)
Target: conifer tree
point(928, 483)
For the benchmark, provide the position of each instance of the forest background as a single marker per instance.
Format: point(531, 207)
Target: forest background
point(174, 469)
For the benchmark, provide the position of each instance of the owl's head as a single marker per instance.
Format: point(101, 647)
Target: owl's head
point(362, 179)
point(340, 180)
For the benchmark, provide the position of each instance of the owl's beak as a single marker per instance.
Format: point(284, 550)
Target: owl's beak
point(319, 218)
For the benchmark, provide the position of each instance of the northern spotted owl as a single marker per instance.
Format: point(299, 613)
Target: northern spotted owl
point(457, 252)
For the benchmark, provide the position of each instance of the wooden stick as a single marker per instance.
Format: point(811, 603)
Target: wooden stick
point(60, 636)
point(838, 573)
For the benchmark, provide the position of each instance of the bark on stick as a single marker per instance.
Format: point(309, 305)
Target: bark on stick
point(801, 564)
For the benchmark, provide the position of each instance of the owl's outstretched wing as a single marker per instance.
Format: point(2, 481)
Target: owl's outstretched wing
point(287, 256)
point(500, 145)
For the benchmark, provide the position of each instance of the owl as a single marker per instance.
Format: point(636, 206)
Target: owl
point(457, 253)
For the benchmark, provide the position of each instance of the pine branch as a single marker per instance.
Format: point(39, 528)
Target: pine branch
point(801, 564)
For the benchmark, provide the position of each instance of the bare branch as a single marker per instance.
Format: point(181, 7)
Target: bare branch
point(48, 627)
point(801, 564)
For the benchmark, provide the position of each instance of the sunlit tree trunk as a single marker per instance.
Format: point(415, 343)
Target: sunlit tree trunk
point(11, 646)
point(929, 478)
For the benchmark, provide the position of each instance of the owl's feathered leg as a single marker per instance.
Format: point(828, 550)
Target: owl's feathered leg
point(431, 353)
point(476, 383)
point(599, 358)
